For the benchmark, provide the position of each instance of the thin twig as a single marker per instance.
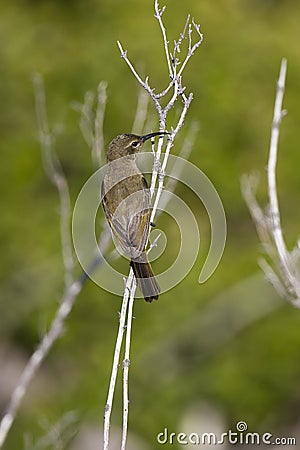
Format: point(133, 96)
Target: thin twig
point(249, 187)
point(59, 434)
point(272, 277)
point(72, 287)
point(158, 173)
point(91, 122)
point(285, 277)
point(128, 291)
point(185, 152)
point(145, 83)
point(86, 120)
point(272, 188)
point(98, 144)
point(161, 175)
point(158, 16)
point(177, 44)
point(193, 48)
point(54, 171)
point(126, 364)
point(38, 357)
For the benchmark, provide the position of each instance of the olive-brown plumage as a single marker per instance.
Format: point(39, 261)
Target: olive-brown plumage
point(127, 206)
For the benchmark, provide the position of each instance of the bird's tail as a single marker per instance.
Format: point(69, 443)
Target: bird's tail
point(145, 278)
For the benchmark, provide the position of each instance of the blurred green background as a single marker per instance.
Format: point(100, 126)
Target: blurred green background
point(220, 352)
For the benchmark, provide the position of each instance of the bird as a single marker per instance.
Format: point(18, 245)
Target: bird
point(126, 203)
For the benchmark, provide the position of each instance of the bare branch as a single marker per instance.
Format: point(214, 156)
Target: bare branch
point(126, 364)
point(158, 16)
point(158, 174)
point(91, 123)
point(59, 434)
point(128, 292)
point(86, 121)
point(72, 287)
point(248, 187)
point(92, 129)
point(185, 152)
point(177, 44)
point(192, 48)
point(286, 280)
point(176, 81)
point(55, 173)
point(272, 189)
point(145, 83)
point(98, 143)
point(162, 171)
point(187, 102)
point(272, 277)
point(38, 357)
point(55, 331)
point(165, 91)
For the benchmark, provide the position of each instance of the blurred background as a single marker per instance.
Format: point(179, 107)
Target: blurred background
point(205, 356)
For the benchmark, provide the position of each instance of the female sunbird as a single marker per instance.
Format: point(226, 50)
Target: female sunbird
point(127, 205)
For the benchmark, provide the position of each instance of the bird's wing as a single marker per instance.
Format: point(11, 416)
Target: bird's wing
point(130, 221)
point(138, 229)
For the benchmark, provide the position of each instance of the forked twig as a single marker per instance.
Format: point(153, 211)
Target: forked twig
point(72, 286)
point(91, 122)
point(284, 275)
point(126, 365)
point(91, 125)
point(158, 175)
point(38, 357)
point(128, 293)
point(56, 175)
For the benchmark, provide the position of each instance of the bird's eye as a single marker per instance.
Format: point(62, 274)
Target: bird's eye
point(135, 144)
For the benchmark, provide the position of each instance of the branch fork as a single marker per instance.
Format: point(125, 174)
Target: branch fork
point(158, 176)
point(283, 272)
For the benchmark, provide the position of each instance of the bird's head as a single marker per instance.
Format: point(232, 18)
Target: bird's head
point(128, 144)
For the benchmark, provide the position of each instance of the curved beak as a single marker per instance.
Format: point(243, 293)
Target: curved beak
point(150, 135)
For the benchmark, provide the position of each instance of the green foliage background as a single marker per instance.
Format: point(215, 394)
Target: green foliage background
point(230, 343)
